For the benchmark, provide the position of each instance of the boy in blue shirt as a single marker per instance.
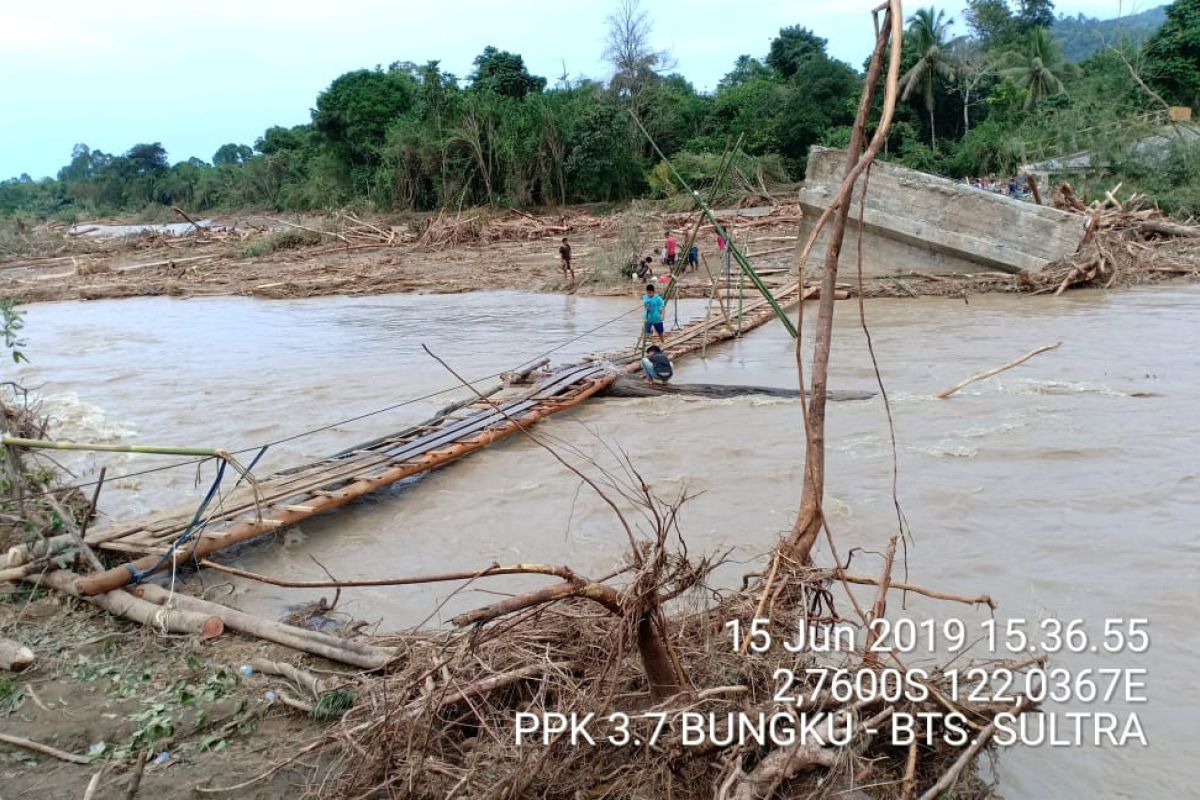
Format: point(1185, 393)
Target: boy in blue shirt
point(654, 306)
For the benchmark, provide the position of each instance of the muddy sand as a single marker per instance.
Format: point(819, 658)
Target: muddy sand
point(267, 257)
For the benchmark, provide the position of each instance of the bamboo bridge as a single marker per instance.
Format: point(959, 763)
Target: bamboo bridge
point(267, 505)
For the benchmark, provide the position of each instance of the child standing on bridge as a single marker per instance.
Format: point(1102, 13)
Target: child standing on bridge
point(654, 306)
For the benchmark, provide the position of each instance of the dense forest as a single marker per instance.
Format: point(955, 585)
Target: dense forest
point(414, 137)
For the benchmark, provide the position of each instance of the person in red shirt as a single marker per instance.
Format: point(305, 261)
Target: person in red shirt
point(672, 249)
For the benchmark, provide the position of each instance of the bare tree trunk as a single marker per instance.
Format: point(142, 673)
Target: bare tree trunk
point(656, 658)
point(932, 131)
point(798, 547)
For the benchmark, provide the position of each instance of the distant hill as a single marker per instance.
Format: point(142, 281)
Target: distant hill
point(1081, 36)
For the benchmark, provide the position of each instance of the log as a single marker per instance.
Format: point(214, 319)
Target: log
point(124, 604)
point(302, 678)
point(44, 749)
point(14, 656)
point(629, 386)
point(1170, 229)
point(346, 651)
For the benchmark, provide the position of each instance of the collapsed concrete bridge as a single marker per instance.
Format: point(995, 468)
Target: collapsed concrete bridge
point(919, 222)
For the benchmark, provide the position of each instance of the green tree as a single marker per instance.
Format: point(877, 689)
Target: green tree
point(1173, 54)
point(146, 160)
point(504, 73)
point(1035, 14)
point(792, 48)
point(81, 166)
point(1039, 68)
point(230, 154)
point(602, 164)
point(990, 22)
point(745, 69)
point(353, 114)
point(820, 96)
point(927, 36)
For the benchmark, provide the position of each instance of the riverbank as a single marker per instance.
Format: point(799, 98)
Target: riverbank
point(136, 707)
point(270, 257)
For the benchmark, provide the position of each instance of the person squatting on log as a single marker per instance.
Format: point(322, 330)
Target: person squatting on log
point(657, 365)
point(564, 258)
point(654, 305)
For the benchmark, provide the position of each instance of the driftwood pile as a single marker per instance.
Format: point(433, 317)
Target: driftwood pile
point(443, 721)
point(781, 214)
point(1127, 243)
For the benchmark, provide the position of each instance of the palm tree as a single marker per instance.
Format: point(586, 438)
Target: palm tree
point(1039, 69)
point(927, 29)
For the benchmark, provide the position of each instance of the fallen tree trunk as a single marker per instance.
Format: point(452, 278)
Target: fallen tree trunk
point(346, 651)
point(124, 604)
point(1170, 229)
point(14, 656)
point(629, 386)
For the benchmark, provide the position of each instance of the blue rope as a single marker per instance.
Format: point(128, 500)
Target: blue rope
point(139, 575)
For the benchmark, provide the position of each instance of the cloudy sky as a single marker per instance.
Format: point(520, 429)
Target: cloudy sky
point(196, 75)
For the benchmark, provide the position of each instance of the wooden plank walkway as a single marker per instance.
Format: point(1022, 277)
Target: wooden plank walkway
point(298, 493)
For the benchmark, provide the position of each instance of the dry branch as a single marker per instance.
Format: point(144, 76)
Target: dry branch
point(989, 373)
point(515, 569)
point(951, 775)
point(863, 580)
point(44, 749)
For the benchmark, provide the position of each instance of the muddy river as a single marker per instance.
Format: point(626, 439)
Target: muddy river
point(1067, 488)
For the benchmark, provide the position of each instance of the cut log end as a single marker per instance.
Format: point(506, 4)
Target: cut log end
point(15, 657)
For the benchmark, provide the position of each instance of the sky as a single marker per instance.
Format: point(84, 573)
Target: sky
point(197, 75)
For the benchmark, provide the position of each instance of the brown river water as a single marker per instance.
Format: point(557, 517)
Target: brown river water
point(1059, 488)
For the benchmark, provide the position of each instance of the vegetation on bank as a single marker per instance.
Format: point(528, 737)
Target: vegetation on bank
point(415, 137)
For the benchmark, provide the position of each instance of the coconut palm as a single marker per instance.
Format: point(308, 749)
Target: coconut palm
point(1039, 69)
point(927, 31)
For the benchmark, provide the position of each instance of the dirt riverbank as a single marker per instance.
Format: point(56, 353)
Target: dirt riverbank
point(345, 255)
point(104, 689)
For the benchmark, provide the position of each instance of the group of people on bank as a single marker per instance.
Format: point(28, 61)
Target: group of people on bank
point(656, 364)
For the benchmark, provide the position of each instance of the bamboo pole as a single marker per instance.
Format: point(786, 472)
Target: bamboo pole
point(245, 531)
point(50, 444)
point(737, 255)
point(722, 173)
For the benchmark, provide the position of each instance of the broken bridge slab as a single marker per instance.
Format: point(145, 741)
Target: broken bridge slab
point(914, 221)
